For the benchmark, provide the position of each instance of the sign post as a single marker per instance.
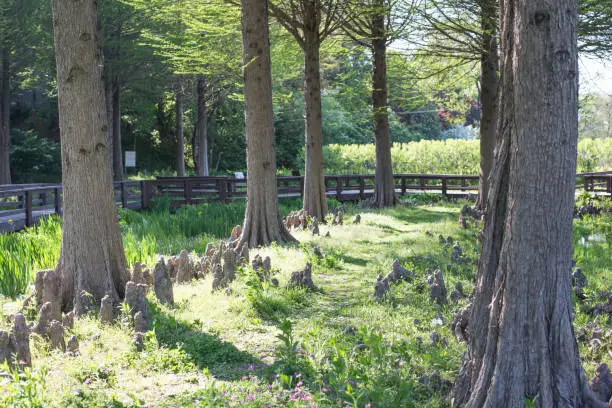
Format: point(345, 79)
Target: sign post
point(130, 159)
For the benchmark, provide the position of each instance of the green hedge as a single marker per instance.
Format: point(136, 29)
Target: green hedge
point(446, 157)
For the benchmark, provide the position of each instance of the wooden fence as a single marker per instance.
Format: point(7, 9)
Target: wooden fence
point(21, 205)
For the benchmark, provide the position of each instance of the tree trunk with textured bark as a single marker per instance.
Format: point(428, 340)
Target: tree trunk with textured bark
point(180, 134)
point(108, 99)
point(116, 131)
point(489, 68)
point(92, 258)
point(385, 185)
point(315, 200)
point(522, 345)
point(262, 221)
point(201, 130)
point(5, 127)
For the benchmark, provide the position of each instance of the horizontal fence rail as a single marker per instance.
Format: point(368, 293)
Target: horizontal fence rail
point(22, 205)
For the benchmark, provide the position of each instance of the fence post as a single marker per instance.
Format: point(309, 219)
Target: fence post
point(586, 183)
point(339, 188)
point(146, 191)
point(361, 188)
point(56, 201)
point(444, 186)
point(187, 191)
point(123, 194)
point(43, 198)
point(302, 187)
point(403, 185)
point(609, 182)
point(231, 188)
point(28, 209)
point(222, 185)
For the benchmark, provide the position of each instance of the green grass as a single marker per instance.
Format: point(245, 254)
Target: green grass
point(262, 344)
point(146, 234)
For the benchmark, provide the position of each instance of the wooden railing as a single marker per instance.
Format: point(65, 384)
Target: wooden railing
point(192, 190)
point(22, 205)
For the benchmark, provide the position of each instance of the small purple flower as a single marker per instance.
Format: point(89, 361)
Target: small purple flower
point(351, 383)
point(87, 380)
point(250, 397)
point(324, 389)
point(259, 390)
point(244, 377)
point(299, 384)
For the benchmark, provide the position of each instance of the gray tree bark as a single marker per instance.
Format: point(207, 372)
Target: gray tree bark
point(92, 259)
point(489, 68)
point(180, 134)
point(116, 130)
point(201, 130)
point(315, 200)
point(108, 103)
point(262, 221)
point(522, 345)
point(5, 127)
point(385, 185)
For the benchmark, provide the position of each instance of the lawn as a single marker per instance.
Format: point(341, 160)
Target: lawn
point(259, 345)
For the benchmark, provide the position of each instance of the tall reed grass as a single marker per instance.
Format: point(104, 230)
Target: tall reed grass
point(146, 234)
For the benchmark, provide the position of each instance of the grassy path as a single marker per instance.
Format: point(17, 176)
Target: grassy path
point(336, 347)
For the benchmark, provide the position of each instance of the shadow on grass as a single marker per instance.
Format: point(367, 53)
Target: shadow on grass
point(354, 261)
point(418, 215)
point(385, 227)
point(221, 358)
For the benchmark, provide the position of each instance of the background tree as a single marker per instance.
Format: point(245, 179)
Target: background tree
point(375, 24)
point(467, 32)
point(197, 40)
point(92, 257)
point(311, 22)
point(262, 221)
point(17, 26)
point(522, 345)
point(453, 32)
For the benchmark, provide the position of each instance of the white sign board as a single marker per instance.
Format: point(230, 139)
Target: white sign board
point(130, 159)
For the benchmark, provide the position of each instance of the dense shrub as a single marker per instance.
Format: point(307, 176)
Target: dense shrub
point(449, 157)
point(34, 159)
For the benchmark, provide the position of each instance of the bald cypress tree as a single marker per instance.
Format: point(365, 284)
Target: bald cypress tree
point(92, 259)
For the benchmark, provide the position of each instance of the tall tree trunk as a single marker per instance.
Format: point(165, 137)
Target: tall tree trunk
point(180, 136)
point(108, 99)
point(315, 200)
point(92, 258)
point(385, 185)
point(5, 127)
point(489, 68)
point(202, 129)
point(262, 221)
point(116, 131)
point(522, 345)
